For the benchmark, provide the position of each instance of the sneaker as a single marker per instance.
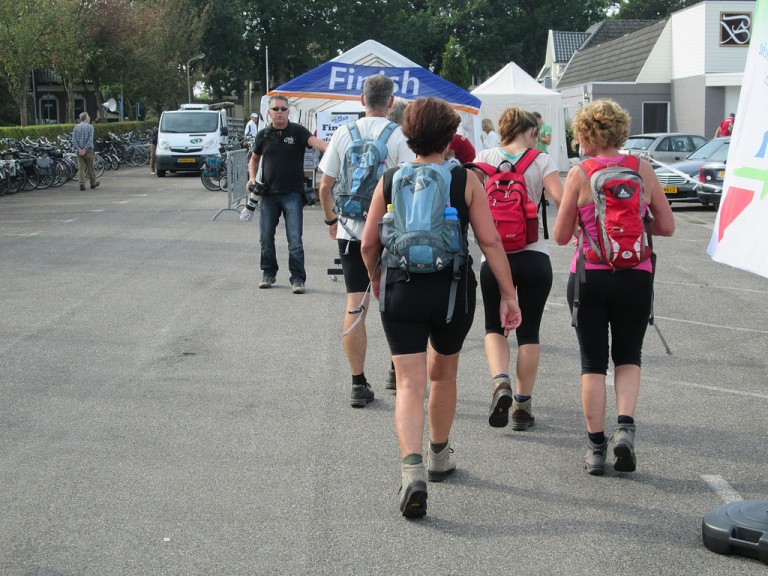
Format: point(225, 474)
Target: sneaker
point(413, 490)
point(391, 383)
point(498, 415)
point(624, 448)
point(522, 419)
point(267, 281)
point(82, 187)
point(95, 185)
point(361, 395)
point(594, 459)
point(440, 465)
point(246, 215)
point(298, 288)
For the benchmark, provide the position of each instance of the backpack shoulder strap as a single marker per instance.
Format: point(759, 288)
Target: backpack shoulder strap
point(487, 169)
point(354, 131)
point(526, 160)
point(387, 132)
point(632, 162)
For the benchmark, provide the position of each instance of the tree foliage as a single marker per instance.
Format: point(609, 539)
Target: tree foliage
point(650, 9)
point(139, 49)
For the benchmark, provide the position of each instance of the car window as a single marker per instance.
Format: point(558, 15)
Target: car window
point(663, 145)
point(698, 141)
point(681, 144)
point(706, 150)
point(721, 154)
point(638, 143)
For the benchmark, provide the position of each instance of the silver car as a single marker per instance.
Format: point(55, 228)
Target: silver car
point(664, 146)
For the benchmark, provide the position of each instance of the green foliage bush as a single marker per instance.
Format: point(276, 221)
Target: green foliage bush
point(51, 131)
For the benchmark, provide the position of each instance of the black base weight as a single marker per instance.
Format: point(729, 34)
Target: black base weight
point(738, 528)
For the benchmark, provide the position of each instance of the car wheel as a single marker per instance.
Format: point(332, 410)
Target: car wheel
point(161, 173)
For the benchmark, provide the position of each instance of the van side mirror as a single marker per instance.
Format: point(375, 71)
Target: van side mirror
point(224, 131)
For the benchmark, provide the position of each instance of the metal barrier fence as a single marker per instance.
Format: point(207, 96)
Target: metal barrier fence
point(237, 180)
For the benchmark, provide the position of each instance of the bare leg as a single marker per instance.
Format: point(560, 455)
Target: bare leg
point(442, 396)
point(409, 402)
point(627, 384)
point(356, 342)
point(593, 401)
point(527, 367)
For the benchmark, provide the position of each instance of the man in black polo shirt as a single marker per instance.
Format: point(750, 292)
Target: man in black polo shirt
point(279, 148)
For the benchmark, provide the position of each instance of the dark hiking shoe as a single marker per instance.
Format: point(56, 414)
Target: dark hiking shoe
point(361, 395)
point(498, 415)
point(594, 459)
point(624, 448)
point(391, 383)
point(522, 418)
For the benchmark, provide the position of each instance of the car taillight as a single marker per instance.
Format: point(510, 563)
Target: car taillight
point(702, 178)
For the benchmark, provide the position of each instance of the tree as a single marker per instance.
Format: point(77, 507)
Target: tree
point(455, 67)
point(23, 30)
point(650, 9)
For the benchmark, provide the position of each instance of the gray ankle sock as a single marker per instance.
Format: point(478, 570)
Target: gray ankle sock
point(413, 459)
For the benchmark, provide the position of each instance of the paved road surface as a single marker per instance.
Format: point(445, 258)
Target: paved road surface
point(161, 415)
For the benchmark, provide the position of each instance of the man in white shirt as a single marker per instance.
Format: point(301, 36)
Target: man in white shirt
point(252, 128)
point(377, 98)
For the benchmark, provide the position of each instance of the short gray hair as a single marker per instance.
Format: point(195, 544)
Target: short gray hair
point(378, 91)
point(83, 116)
point(396, 112)
point(279, 97)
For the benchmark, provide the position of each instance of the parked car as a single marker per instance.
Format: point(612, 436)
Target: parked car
point(676, 186)
point(712, 173)
point(667, 146)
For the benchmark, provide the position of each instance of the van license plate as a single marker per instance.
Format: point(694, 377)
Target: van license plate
point(186, 160)
point(720, 174)
point(670, 189)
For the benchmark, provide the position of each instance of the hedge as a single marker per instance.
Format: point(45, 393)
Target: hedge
point(51, 131)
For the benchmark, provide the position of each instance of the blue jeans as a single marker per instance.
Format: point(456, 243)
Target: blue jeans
point(291, 206)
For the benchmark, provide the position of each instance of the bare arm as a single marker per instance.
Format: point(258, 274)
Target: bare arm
point(490, 243)
point(253, 167)
point(325, 193)
point(317, 144)
point(370, 243)
point(663, 219)
point(554, 187)
point(565, 225)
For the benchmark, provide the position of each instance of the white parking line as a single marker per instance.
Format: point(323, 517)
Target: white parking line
point(712, 286)
point(722, 488)
point(715, 388)
point(708, 325)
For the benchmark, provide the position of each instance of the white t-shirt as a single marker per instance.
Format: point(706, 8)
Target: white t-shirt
point(541, 167)
point(251, 129)
point(490, 140)
point(333, 158)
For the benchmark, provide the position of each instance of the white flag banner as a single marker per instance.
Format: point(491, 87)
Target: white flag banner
point(740, 237)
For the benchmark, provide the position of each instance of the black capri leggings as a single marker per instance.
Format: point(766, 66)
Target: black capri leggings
point(532, 273)
point(620, 301)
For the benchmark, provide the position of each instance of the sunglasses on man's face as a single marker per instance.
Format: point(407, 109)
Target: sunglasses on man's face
point(279, 109)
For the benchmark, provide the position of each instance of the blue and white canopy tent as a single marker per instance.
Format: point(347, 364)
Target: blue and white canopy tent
point(337, 85)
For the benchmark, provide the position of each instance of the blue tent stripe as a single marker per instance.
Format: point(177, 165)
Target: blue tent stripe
point(340, 79)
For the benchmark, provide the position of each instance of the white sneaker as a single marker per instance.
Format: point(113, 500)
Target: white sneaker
point(246, 215)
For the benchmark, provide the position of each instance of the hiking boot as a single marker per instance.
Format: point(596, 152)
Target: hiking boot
point(96, 185)
point(246, 215)
point(522, 419)
point(82, 187)
point(594, 459)
point(624, 448)
point(298, 287)
point(413, 490)
point(391, 383)
point(267, 281)
point(441, 464)
point(498, 415)
point(361, 395)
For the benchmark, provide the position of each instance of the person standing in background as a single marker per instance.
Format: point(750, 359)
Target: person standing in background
point(153, 150)
point(726, 126)
point(82, 140)
point(489, 137)
point(544, 139)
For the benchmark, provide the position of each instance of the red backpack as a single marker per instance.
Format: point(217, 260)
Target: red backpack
point(514, 213)
point(622, 229)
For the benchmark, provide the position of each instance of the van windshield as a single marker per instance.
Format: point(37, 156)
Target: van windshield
point(185, 122)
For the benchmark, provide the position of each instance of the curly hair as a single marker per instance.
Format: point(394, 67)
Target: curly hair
point(429, 125)
point(514, 121)
point(603, 123)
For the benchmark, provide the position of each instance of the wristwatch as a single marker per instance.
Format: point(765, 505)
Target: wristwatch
point(331, 222)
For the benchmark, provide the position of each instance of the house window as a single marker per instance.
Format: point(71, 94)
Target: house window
point(655, 116)
point(79, 107)
point(735, 28)
point(49, 110)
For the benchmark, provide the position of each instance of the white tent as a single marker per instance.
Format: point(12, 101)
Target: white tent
point(337, 85)
point(512, 86)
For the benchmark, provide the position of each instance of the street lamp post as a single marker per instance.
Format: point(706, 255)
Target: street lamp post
point(189, 85)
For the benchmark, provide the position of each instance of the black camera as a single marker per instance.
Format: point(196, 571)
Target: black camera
point(258, 188)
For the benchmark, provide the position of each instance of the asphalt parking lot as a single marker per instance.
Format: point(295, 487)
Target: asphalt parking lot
point(160, 415)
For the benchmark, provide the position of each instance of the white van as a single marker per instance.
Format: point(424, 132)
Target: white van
point(186, 137)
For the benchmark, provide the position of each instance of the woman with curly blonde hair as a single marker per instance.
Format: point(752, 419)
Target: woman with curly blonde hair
point(615, 301)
